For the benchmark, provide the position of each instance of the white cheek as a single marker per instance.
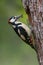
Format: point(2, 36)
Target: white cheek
point(12, 20)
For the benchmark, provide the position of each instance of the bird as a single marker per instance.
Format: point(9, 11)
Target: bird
point(22, 30)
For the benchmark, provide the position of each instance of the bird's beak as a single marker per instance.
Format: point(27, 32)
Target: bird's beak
point(17, 17)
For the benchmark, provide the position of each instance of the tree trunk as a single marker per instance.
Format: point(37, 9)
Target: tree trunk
point(34, 10)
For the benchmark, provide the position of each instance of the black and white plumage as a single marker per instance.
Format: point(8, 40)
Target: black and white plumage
point(22, 30)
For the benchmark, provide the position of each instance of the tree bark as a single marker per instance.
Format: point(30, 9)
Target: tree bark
point(34, 10)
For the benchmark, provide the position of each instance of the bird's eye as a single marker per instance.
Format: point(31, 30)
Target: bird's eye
point(14, 17)
point(11, 17)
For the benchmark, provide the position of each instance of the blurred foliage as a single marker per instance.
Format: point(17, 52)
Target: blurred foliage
point(13, 51)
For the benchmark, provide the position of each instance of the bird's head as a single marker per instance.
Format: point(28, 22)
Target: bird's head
point(14, 19)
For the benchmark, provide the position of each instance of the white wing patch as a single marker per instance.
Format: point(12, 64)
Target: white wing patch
point(22, 37)
point(26, 28)
point(19, 31)
point(23, 26)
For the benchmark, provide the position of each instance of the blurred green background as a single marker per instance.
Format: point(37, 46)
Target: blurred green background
point(13, 51)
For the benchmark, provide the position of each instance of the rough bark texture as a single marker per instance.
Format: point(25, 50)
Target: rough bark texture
point(34, 10)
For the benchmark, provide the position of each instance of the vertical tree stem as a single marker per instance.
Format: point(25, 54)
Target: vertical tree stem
point(34, 10)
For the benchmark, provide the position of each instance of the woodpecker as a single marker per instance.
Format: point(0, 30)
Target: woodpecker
point(22, 30)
